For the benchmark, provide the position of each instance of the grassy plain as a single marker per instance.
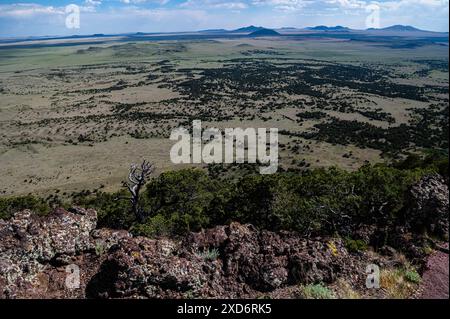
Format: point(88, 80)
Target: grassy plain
point(75, 117)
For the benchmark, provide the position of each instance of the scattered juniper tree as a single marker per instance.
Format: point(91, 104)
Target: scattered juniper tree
point(137, 177)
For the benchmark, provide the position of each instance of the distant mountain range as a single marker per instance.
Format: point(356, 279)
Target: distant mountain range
point(264, 33)
point(325, 28)
point(248, 29)
point(320, 28)
point(399, 28)
point(338, 31)
point(214, 30)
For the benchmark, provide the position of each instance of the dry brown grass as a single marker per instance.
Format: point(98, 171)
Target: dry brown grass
point(396, 284)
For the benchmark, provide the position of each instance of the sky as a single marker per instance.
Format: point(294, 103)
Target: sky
point(44, 17)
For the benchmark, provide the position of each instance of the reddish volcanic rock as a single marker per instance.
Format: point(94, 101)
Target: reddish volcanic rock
point(233, 261)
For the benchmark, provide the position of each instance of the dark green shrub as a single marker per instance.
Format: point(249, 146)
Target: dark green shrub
point(433, 160)
point(182, 198)
point(413, 276)
point(318, 291)
point(251, 201)
point(113, 209)
point(11, 205)
point(382, 192)
point(314, 202)
point(355, 245)
point(155, 226)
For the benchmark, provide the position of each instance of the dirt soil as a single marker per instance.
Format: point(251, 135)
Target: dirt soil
point(435, 280)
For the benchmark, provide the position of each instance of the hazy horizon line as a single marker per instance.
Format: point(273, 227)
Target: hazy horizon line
point(304, 28)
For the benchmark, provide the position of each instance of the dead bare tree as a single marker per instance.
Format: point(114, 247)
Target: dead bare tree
point(137, 177)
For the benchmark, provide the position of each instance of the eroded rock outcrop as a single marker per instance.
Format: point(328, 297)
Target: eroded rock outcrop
point(226, 261)
point(222, 262)
point(429, 203)
point(34, 251)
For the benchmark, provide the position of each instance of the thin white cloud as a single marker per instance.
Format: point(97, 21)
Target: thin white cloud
point(30, 10)
point(231, 5)
point(214, 4)
point(320, 5)
point(26, 10)
point(393, 5)
point(92, 2)
point(161, 2)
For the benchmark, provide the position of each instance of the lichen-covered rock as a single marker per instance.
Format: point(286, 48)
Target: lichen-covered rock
point(225, 261)
point(429, 203)
point(145, 267)
point(233, 261)
point(44, 238)
point(35, 250)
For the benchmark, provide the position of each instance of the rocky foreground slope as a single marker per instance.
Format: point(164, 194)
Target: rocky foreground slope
point(39, 257)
